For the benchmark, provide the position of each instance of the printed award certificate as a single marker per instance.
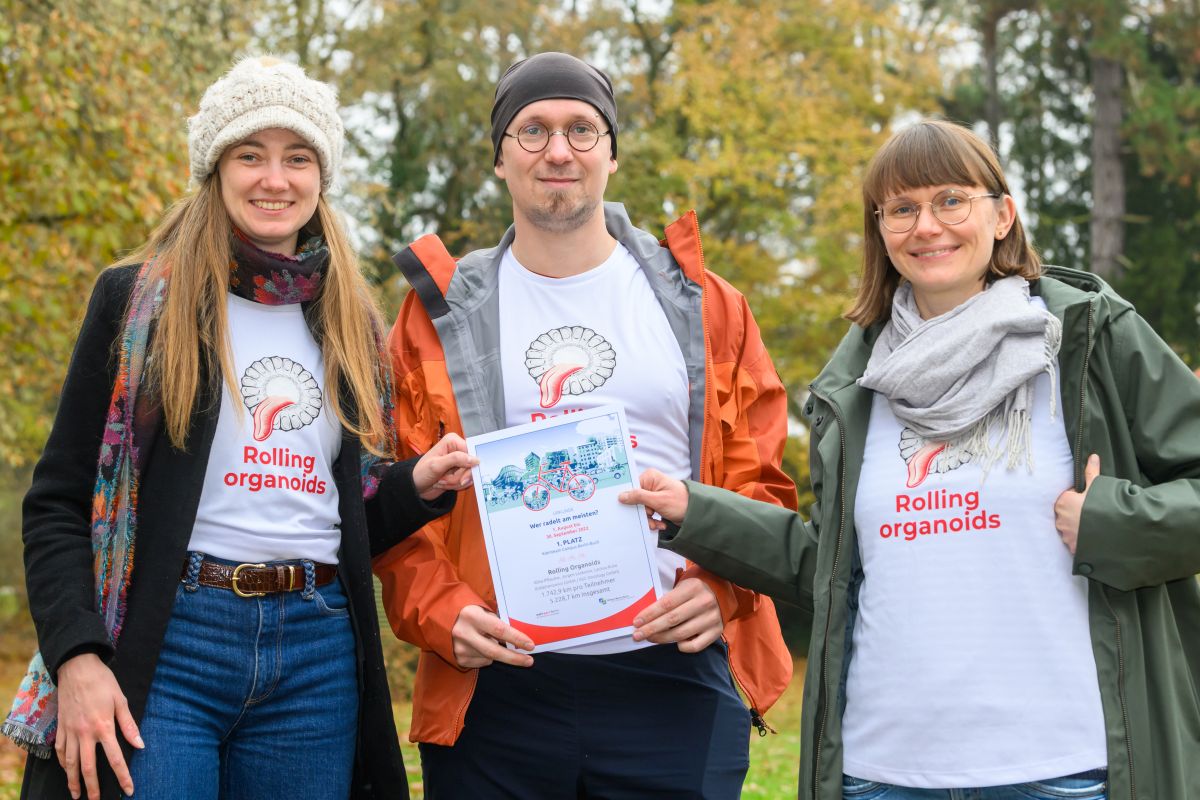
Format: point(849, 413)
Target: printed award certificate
point(570, 564)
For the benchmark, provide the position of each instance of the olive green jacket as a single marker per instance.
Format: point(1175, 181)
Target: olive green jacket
point(1125, 396)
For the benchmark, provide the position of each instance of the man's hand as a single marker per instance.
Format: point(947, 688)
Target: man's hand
point(445, 467)
point(90, 708)
point(1068, 508)
point(660, 495)
point(688, 614)
point(479, 637)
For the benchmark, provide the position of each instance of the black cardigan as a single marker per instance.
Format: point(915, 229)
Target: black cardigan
point(58, 552)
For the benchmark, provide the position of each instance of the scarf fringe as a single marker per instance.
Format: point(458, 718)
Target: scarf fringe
point(27, 739)
point(1052, 342)
point(1004, 433)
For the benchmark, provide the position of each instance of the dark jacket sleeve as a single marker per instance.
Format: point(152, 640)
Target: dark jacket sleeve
point(396, 511)
point(57, 512)
point(1147, 532)
point(760, 546)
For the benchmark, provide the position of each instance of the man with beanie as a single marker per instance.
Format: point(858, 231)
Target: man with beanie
point(573, 309)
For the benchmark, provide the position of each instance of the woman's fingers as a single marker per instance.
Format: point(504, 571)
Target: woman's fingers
point(129, 728)
point(87, 767)
point(112, 747)
point(659, 493)
point(116, 760)
point(67, 750)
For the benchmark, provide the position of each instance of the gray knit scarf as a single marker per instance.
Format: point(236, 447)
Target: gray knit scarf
point(967, 376)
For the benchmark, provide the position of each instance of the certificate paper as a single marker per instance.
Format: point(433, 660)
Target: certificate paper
point(570, 564)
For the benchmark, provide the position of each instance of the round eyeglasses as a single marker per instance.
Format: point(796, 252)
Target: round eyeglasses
point(949, 207)
point(534, 136)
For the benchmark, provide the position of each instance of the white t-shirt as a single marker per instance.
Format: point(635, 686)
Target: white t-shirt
point(972, 661)
point(269, 493)
point(601, 337)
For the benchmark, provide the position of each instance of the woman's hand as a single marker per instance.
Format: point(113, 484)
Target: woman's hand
point(446, 467)
point(90, 708)
point(1068, 508)
point(661, 495)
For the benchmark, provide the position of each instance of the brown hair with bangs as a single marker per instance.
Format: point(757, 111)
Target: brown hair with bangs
point(930, 153)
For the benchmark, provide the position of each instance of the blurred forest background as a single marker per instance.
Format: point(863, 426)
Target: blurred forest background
point(759, 114)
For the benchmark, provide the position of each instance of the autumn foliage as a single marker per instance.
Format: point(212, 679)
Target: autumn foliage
point(759, 114)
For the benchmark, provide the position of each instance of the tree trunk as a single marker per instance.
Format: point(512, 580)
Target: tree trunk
point(991, 55)
point(1108, 180)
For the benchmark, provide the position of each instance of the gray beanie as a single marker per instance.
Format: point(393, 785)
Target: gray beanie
point(262, 92)
point(549, 76)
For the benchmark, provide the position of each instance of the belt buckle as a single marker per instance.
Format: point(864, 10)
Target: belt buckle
point(233, 581)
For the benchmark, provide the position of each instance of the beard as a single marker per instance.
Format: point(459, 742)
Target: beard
point(561, 213)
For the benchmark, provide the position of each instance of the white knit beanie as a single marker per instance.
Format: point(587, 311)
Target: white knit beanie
point(262, 92)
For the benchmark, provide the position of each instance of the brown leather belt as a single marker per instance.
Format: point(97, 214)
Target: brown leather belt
point(255, 580)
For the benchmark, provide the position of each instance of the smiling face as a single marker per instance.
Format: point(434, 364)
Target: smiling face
point(270, 183)
point(558, 189)
point(947, 264)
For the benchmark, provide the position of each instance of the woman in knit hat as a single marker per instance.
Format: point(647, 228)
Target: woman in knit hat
point(200, 526)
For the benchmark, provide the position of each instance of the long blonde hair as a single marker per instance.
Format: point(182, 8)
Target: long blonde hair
point(191, 247)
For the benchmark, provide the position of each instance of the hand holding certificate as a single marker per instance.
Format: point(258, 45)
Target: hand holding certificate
point(570, 564)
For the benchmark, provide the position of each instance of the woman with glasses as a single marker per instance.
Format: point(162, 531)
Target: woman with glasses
point(1000, 561)
point(200, 527)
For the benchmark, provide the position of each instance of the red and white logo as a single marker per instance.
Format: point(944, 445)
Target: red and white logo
point(569, 360)
point(281, 394)
point(923, 456)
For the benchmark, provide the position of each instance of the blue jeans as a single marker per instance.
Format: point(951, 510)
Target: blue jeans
point(1084, 786)
point(252, 698)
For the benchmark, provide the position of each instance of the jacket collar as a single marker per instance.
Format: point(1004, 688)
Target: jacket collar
point(848, 361)
point(475, 277)
point(1066, 291)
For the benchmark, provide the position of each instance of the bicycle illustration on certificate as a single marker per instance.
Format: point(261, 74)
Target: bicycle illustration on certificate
point(569, 563)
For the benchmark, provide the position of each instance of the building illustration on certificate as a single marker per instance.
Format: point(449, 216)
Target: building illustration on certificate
point(555, 466)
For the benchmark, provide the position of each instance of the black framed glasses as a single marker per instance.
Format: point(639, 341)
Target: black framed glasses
point(534, 136)
point(949, 207)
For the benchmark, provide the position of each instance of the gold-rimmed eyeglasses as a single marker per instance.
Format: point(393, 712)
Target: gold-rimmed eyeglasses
point(949, 207)
point(534, 136)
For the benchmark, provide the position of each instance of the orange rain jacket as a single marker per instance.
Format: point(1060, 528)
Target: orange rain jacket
point(738, 420)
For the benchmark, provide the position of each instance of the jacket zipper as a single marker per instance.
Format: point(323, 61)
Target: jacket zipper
point(1079, 476)
point(837, 554)
point(1087, 357)
point(755, 716)
point(707, 339)
point(1121, 695)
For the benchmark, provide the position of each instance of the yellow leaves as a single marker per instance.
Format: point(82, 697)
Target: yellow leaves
point(759, 114)
point(92, 118)
point(765, 117)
